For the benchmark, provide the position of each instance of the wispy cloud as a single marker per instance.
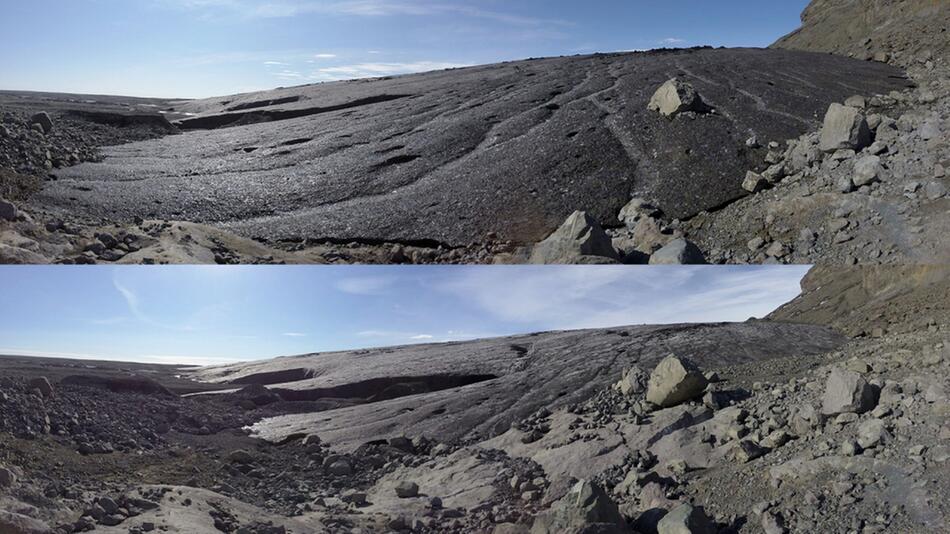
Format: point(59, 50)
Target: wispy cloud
point(276, 63)
point(289, 74)
point(672, 41)
point(294, 334)
point(324, 56)
point(166, 359)
point(589, 297)
point(361, 8)
point(369, 70)
point(365, 285)
point(193, 318)
point(392, 337)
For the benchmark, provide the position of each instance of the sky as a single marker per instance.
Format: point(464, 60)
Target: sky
point(216, 314)
point(203, 48)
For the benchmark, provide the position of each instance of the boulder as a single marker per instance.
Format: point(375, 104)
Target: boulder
point(685, 519)
point(678, 252)
point(43, 120)
point(870, 433)
point(802, 155)
point(634, 210)
point(675, 380)
point(754, 182)
point(407, 489)
point(8, 211)
point(585, 508)
point(353, 496)
point(340, 467)
point(675, 97)
point(13, 523)
point(632, 382)
point(844, 127)
point(42, 384)
point(648, 236)
point(847, 392)
point(580, 235)
point(866, 170)
point(7, 477)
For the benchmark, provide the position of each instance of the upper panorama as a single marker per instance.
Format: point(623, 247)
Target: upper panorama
point(667, 156)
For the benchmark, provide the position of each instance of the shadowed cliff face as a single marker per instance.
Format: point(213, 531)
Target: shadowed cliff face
point(871, 299)
point(447, 157)
point(906, 30)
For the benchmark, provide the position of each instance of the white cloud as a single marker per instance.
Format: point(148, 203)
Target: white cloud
point(369, 70)
point(294, 334)
point(361, 8)
point(324, 56)
point(365, 285)
point(166, 359)
point(393, 337)
point(672, 41)
point(289, 74)
point(589, 297)
point(276, 63)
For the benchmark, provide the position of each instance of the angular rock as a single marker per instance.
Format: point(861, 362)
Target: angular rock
point(43, 120)
point(407, 489)
point(747, 450)
point(685, 519)
point(846, 391)
point(42, 384)
point(870, 433)
point(844, 127)
point(648, 236)
point(633, 382)
point(13, 523)
point(866, 170)
point(772, 523)
point(7, 477)
point(353, 496)
point(585, 508)
point(634, 210)
point(580, 235)
point(340, 467)
point(675, 380)
point(675, 97)
point(8, 211)
point(754, 182)
point(678, 252)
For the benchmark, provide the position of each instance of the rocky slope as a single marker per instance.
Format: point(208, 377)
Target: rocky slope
point(482, 155)
point(772, 426)
point(902, 31)
point(869, 300)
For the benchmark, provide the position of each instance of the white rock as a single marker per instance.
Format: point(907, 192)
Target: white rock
point(844, 127)
point(867, 170)
point(674, 97)
point(675, 380)
point(580, 235)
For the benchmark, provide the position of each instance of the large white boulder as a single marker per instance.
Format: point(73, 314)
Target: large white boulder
point(675, 380)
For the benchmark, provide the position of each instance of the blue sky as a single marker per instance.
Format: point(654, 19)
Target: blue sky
point(212, 314)
point(200, 48)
